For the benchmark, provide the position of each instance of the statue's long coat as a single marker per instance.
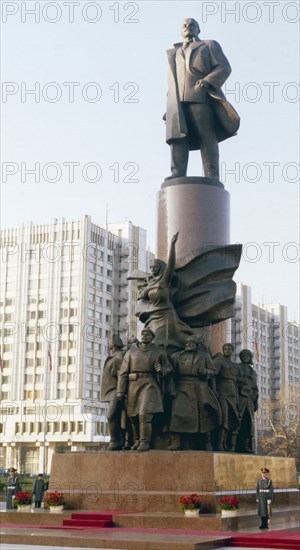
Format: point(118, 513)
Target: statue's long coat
point(204, 60)
point(195, 409)
point(111, 369)
point(139, 380)
point(248, 397)
point(226, 387)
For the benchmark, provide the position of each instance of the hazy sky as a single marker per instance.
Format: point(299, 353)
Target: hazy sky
point(98, 71)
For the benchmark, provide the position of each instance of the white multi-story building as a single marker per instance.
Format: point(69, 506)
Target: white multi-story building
point(64, 293)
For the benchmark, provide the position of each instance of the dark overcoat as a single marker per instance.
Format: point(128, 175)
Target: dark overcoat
point(264, 492)
point(12, 487)
point(204, 60)
point(38, 489)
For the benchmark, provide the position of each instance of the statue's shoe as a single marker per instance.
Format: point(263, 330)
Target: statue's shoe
point(144, 446)
point(113, 446)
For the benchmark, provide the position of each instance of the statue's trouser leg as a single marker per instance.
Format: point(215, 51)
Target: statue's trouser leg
point(233, 442)
point(200, 120)
point(247, 445)
point(179, 150)
point(135, 432)
point(208, 446)
point(114, 425)
point(145, 431)
point(221, 442)
point(127, 431)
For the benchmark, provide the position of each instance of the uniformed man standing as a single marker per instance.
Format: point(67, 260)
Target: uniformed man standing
point(264, 496)
point(12, 487)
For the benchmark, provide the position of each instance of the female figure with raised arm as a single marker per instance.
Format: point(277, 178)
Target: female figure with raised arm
point(155, 305)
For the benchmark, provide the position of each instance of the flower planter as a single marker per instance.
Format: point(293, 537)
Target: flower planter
point(56, 508)
point(191, 513)
point(24, 507)
point(229, 513)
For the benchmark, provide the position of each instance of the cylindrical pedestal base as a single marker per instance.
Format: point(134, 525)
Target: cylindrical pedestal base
point(199, 209)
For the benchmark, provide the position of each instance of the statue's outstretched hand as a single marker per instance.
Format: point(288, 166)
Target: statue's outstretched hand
point(174, 238)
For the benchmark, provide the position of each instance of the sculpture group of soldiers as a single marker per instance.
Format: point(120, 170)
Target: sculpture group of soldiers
point(190, 398)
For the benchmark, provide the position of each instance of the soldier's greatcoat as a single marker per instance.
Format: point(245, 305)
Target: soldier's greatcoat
point(139, 380)
point(195, 409)
point(12, 487)
point(264, 492)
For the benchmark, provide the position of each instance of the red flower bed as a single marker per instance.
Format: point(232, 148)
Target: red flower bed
point(192, 502)
point(229, 503)
point(55, 499)
point(23, 497)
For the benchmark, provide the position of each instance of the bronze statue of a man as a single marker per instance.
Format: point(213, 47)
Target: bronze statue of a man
point(227, 391)
point(198, 115)
point(195, 408)
point(111, 369)
point(141, 373)
point(248, 400)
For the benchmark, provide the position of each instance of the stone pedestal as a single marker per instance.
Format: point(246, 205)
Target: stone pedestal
point(199, 208)
point(154, 480)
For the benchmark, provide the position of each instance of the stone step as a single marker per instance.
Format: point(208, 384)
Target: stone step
point(114, 539)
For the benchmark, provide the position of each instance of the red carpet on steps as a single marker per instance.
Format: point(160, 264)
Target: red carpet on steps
point(277, 539)
point(92, 519)
point(281, 540)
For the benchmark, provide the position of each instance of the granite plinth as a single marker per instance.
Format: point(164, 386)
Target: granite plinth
point(154, 481)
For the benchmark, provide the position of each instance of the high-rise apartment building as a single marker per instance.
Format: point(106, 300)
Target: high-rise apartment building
point(64, 293)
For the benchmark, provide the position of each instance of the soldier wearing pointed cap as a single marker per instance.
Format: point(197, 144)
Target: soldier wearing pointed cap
point(264, 496)
point(143, 367)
